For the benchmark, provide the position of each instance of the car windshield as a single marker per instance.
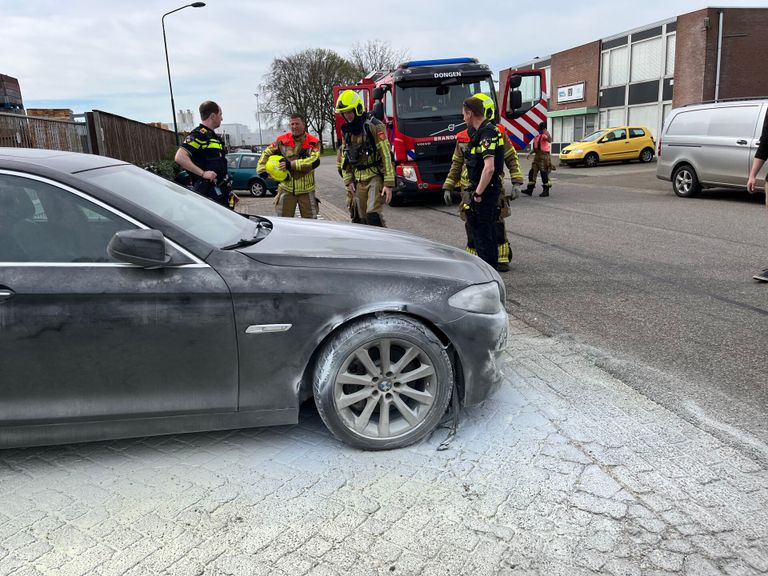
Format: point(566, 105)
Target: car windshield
point(438, 99)
point(182, 207)
point(594, 136)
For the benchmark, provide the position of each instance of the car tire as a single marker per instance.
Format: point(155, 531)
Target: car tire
point(363, 394)
point(685, 182)
point(257, 188)
point(591, 160)
point(646, 155)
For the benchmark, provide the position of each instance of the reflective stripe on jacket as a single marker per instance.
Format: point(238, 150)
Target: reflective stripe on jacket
point(303, 153)
point(458, 176)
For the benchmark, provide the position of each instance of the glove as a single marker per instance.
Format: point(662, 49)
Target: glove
point(447, 196)
point(263, 175)
point(514, 192)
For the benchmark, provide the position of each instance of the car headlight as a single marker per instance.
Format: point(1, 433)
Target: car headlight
point(409, 173)
point(481, 298)
point(575, 151)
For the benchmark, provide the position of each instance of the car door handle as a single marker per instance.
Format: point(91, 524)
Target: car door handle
point(6, 294)
point(741, 142)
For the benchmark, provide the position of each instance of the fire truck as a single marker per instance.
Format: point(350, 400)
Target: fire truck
point(421, 104)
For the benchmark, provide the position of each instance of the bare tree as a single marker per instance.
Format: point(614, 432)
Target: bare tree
point(303, 83)
point(375, 55)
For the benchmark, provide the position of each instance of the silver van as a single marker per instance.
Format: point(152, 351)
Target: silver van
point(710, 145)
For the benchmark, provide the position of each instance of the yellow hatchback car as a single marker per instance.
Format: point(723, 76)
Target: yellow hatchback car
point(622, 143)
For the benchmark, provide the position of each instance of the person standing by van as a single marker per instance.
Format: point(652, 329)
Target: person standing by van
point(760, 157)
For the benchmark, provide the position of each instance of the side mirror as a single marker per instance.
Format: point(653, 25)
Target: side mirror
point(514, 101)
point(515, 81)
point(378, 93)
point(145, 248)
point(378, 110)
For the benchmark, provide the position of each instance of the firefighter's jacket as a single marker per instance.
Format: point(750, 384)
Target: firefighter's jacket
point(458, 175)
point(366, 154)
point(303, 152)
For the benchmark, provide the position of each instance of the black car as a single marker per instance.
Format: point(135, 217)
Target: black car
point(131, 306)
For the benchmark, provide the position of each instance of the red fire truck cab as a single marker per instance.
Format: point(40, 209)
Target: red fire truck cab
point(421, 104)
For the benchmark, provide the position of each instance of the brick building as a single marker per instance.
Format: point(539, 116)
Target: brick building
point(638, 76)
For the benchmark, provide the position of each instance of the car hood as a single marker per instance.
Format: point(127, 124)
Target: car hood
point(323, 244)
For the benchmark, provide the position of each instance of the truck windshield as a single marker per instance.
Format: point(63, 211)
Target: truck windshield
point(437, 100)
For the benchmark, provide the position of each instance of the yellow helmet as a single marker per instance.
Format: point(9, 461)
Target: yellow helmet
point(273, 168)
point(350, 100)
point(489, 108)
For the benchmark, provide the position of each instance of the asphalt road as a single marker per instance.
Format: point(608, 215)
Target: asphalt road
point(656, 288)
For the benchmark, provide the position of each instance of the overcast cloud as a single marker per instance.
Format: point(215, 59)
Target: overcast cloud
point(108, 55)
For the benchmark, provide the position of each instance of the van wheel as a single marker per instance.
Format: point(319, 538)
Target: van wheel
point(685, 183)
point(646, 155)
point(591, 160)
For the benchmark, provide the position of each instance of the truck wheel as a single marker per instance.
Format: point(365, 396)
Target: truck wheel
point(685, 182)
point(591, 160)
point(383, 382)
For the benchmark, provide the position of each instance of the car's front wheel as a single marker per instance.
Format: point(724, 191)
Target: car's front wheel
point(591, 160)
point(685, 182)
point(383, 382)
point(257, 188)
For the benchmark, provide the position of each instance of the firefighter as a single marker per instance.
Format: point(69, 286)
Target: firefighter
point(485, 169)
point(458, 176)
point(203, 156)
point(366, 163)
point(300, 155)
point(542, 161)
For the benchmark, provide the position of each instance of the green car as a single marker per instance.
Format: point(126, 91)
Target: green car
point(242, 168)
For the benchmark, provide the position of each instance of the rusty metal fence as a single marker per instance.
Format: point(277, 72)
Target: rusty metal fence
point(127, 139)
point(19, 131)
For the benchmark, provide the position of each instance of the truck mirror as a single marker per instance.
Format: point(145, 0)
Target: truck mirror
point(378, 110)
point(378, 93)
point(515, 101)
point(515, 81)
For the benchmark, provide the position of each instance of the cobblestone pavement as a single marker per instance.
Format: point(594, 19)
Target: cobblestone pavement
point(564, 471)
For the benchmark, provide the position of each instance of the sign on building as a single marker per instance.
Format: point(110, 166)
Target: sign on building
point(570, 93)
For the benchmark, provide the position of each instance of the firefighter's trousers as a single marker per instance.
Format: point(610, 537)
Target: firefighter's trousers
point(286, 202)
point(500, 229)
point(369, 202)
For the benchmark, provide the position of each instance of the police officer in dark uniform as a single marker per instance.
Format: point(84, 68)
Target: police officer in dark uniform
point(485, 169)
point(203, 156)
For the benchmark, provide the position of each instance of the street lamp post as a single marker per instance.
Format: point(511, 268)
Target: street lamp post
point(168, 65)
point(258, 118)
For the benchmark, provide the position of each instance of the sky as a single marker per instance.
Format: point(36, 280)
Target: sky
point(108, 55)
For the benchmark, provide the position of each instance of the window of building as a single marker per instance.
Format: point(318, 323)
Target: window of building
point(646, 60)
point(557, 129)
point(589, 123)
point(669, 68)
point(611, 118)
point(647, 116)
point(666, 109)
point(614, 67)
point(578, 128)
point(567, 135)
